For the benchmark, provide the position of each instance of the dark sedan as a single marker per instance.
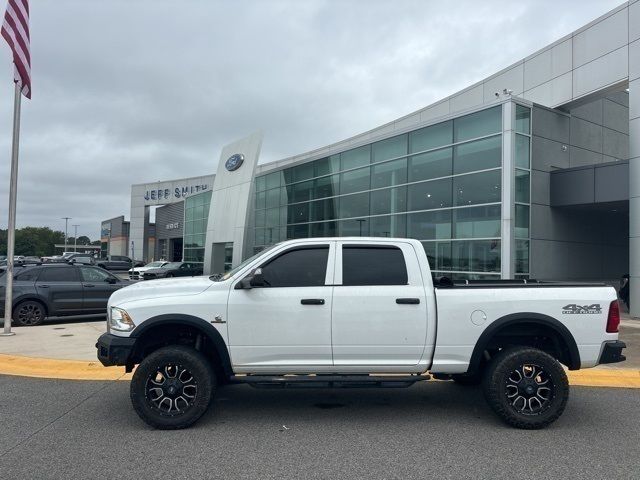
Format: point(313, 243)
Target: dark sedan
point(174, 269)
point(59, 290)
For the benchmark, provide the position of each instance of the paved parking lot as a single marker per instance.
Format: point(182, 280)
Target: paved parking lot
point(67, 429)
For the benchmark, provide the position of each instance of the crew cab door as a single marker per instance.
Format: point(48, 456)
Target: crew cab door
point(379, 314)
point(287, 322)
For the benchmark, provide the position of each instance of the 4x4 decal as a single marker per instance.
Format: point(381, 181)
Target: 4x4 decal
point(581, 309)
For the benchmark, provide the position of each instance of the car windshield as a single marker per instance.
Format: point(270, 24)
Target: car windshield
point(233, 271)
point(154, 264)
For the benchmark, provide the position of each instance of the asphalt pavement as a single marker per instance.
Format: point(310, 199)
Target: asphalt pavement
point(52, 429)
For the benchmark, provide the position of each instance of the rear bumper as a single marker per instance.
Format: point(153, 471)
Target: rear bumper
point(612, 352)
point(114, 350)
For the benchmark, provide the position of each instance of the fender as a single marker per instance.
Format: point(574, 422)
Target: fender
point(531, 318)
point(180, 319)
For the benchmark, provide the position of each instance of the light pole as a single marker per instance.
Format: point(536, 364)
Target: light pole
point(66, 224)
point(75, 237)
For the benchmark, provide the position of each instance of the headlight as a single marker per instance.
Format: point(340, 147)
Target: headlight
point(120, 320)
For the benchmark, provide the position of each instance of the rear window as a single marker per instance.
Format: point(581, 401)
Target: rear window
point(58, 274)
point(375, 265)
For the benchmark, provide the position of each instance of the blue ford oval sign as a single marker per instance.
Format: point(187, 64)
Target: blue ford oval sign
point(234, 162)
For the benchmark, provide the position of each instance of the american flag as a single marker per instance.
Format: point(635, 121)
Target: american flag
point(15, 30)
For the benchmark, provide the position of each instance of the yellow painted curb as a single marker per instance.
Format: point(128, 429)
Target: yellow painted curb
point(84, 370)
point(60, 369)
point(604, 377)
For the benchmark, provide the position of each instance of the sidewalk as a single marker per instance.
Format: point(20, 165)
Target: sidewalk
point(67, 350)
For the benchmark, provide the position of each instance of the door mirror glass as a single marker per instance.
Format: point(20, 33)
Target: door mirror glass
point(257, 279)
point(110, 280)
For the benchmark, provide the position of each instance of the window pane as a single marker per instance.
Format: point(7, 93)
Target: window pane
point(357, 157)
point(373, 266)
point(270, 236)
point(273, 180)
point(358, 227)
point(388, 226)
point(429, 195)
point(305, 267)
point(272, 217)
point(260, 218)
point(476, 256)
point(389, 173)
point(94, 275)
point(326, 186)
point(273, 198)
point(431, 137)
point(260, 203)
point(522, 221)
point(429, 225)
point(27, 276)
point(323, 209)
point(297, 231)
point(354, 205)
point(303, 172)
point(390, 148)
point(477, 222)
point(325, 166)
point(444, 259)
point(61, 274)
point(522, 256)
point(298, 213)
point(324, 229)
point(389, 200)
point(477, 188)
point(523, 118)
point(522, 151)
point(431, 165)
point(355, 181)
point(300, 192)
point(478, 124)
point(522, 186)
point(261, 183)
point(478, 155)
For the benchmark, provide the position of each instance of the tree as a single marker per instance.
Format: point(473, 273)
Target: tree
point(36, 241)
point(84, 240)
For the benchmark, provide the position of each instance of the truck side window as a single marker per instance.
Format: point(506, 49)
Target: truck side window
point(299, 267)
point(373, 265)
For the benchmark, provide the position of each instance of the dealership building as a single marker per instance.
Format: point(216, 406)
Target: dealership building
point(533, 172)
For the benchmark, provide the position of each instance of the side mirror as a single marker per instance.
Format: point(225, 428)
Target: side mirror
point(110, 280)
point(255, 279)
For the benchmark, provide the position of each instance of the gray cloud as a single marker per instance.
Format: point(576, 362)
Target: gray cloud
point(129, 92)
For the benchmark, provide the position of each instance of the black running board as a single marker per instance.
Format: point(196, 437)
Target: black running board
point(329, 381)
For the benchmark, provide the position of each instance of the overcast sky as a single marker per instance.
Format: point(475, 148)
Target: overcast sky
point(136, 91)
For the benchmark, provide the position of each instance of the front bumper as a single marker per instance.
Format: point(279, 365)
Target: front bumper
point(114, 350)
point(612, 352)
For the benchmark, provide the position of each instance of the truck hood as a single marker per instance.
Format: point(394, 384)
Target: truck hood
point(169, 287)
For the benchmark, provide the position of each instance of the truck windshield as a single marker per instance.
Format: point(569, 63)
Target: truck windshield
point(233, 271)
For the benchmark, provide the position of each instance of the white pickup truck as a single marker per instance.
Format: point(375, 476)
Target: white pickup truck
point(355, 312)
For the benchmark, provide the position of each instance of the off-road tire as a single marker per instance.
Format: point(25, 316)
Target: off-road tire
point(499, 387)
point(29, 313)
point(143, 390)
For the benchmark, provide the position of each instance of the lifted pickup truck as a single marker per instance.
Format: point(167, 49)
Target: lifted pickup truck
point(355, 312)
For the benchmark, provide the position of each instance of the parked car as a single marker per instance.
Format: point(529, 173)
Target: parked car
point(82, 259)
point(174, 269)
point(335, 311)
point(136, 273)
point(59, 290)
point(118, 262)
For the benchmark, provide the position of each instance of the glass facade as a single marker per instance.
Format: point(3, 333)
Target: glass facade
point(441, 184)
point(196, 214)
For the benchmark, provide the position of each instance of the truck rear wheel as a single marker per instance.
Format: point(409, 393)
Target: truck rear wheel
point(526, 387)
point(172, 387)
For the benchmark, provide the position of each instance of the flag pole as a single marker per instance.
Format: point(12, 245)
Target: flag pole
point(11, 228)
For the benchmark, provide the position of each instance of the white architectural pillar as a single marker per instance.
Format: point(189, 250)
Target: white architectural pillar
point(508, 204)
point(634, 177)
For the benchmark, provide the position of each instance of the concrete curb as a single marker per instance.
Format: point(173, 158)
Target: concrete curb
point(83, 370)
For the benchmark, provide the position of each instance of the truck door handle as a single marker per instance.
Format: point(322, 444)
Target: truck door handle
point(88, 285)
point(43, 286)
point(407, 301)
point(312, 301)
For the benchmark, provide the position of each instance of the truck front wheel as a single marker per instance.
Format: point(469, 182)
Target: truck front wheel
point(172, 387)
point(526, 387)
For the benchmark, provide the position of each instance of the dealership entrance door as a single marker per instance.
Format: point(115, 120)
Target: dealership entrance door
point(175, 249)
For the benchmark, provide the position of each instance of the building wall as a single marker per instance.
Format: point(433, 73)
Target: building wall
point(169, 225)
point(115, 232)
point(577, 243)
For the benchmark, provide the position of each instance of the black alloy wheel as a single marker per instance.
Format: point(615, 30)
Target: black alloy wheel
point(172, 387)
point(29, 314)
point(526, 387)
